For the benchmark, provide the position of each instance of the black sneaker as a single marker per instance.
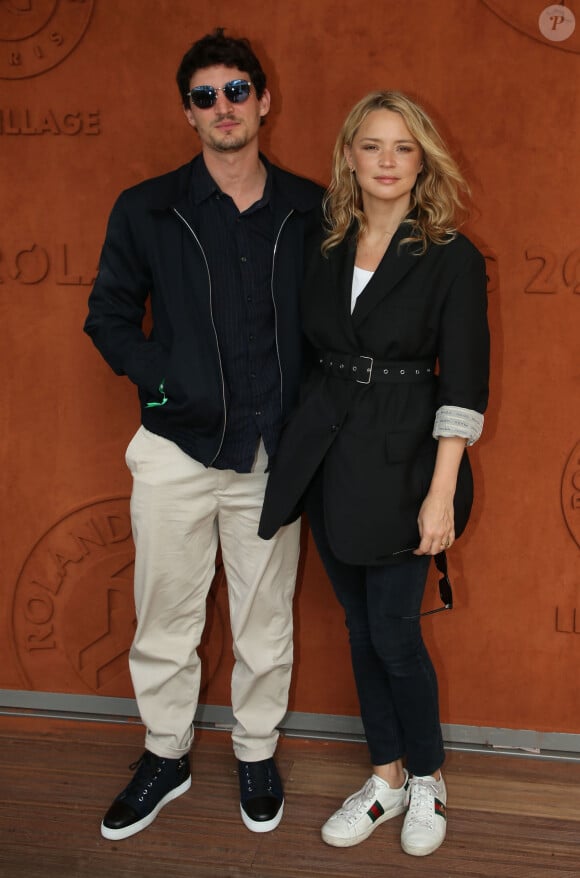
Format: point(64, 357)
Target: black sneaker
point(261, 795)
point(156, 782)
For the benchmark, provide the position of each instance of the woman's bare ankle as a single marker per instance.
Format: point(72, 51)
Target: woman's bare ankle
point(392, 773)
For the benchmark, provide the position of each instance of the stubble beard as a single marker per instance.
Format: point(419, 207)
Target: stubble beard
point(229, 145)
point(228, 142)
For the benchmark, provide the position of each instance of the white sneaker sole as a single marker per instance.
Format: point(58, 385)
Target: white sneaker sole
point(262, 825)
point(139, 825)
point(350, 841)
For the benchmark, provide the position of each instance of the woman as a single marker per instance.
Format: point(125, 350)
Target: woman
point(394, 309)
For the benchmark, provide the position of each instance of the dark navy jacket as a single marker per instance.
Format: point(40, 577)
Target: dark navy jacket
point(152, 252)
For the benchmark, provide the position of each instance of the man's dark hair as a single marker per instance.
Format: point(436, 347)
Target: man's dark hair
point(214, 49)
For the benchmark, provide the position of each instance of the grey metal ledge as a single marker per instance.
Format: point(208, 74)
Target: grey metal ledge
point(96, 708)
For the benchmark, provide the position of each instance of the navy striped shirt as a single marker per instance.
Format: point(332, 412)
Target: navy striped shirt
point(239, 249)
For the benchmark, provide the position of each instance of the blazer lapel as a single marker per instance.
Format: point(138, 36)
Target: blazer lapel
point(394, 265)
point(342, 261)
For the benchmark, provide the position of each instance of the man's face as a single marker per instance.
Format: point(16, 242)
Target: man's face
point(226, 127)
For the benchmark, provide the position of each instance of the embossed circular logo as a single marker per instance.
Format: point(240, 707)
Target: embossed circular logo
point(36, 35)
point(571, 494)
point(73, 610)
point(553, 25)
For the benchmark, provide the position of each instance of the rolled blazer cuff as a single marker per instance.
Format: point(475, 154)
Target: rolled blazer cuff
point(452, 420)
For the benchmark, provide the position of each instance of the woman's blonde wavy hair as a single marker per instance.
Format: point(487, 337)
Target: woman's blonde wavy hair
point(436, 199)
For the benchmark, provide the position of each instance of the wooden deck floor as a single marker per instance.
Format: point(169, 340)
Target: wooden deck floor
point(508, 816)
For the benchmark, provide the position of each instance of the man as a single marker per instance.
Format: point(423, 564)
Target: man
point(218, 248)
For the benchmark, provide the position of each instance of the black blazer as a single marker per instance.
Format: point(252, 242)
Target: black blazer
point(375, 440)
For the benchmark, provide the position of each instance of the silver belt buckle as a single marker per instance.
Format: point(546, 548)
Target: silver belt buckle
point(369, 370)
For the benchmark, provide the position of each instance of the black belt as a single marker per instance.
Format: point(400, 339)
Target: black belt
point(367, 370)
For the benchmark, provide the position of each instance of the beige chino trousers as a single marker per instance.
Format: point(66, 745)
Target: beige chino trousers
point(179, 509)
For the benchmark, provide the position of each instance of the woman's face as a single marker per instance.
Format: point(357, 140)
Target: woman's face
point(386, 159)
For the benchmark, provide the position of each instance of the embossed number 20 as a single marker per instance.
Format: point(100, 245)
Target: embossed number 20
point(553, 272)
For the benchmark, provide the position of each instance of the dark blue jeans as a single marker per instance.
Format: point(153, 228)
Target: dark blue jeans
point(395, 678)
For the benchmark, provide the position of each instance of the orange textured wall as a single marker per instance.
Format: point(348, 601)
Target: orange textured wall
point(88, 106)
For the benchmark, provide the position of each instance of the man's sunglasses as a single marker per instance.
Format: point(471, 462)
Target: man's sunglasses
point(445, 592)
point(205, 96)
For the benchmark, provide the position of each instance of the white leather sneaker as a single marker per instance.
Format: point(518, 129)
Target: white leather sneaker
point(362, 812)
point(425, 823)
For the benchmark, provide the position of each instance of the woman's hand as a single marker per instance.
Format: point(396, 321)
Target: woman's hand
point(436, 523)
point(436, 518)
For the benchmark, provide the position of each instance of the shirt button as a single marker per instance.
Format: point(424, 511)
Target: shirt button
point(258, 413)
point(333, 428)
point(243, 259)
point(252, 374)
point(251, 337)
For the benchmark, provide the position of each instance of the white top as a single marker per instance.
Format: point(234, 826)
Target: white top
point(360, 279)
